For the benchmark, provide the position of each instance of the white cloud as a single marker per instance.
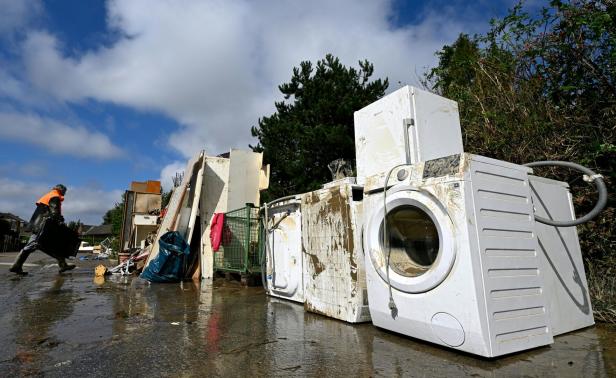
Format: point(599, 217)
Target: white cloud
point(214, 66)
point(33, 169)
point(16, 14)
point(56, 137)
point(38, 169)
point(87, 204)
point(168, 172)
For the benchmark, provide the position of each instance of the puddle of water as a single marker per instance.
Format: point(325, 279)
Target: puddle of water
point(124, 326)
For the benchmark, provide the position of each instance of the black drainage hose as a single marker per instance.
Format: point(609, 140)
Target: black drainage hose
point(593, 177)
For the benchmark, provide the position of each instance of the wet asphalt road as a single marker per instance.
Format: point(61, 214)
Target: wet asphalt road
point(68, 325)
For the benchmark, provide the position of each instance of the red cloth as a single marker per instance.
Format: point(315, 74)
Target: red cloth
point(216, 227)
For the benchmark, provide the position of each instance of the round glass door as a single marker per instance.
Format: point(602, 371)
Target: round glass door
point(419, 241)
point(413, 240)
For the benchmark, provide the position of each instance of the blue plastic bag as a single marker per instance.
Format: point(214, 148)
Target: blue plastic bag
point(168, 266)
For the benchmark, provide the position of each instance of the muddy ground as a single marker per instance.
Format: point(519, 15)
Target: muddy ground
point(70, 325)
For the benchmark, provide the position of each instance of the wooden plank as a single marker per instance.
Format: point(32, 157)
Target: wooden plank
point(149, 186)
point(193, 217)
point(127, 220)
point(174, 207)
point(196, 198)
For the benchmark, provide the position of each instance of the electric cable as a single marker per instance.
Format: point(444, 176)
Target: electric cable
point(392, 304)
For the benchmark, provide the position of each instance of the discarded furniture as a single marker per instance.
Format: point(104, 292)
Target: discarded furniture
point(141, 203)
point(211, 184)
point(229, 182)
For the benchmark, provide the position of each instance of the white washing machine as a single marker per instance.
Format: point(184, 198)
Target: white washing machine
point(283, 253)
point(464, 271)
point(334, 272)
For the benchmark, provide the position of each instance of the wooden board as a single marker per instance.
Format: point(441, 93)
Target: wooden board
point(170, 220)
point(145, 187)
point(196, 198)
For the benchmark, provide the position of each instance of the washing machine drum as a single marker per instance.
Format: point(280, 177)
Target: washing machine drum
point(420, 241)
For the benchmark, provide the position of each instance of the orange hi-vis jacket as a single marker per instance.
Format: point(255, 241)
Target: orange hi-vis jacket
point(44, 200)
point(49, 205)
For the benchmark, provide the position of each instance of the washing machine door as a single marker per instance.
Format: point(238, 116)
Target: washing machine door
point(284, 260)
point(420, 240)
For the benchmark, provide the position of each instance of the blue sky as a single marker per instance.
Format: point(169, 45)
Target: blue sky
point(95, 94)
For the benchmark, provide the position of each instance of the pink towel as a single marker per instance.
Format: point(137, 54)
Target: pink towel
point(218, 220)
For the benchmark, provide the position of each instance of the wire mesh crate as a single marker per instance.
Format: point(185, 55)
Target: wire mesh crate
point(241, 247)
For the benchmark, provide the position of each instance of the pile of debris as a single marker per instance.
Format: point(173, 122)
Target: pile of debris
point(210, 185)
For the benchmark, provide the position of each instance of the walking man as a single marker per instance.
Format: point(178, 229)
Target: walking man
point(48, 206)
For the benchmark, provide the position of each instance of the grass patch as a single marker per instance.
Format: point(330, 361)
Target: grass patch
point(602, 287)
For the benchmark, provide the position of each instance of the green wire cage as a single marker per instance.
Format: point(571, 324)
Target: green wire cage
point(241, 247)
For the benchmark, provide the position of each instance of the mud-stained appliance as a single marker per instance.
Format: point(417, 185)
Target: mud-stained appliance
point(559, 250)
point(463, 266)
point(407, 126)
point(283, 250)
point(334, 273)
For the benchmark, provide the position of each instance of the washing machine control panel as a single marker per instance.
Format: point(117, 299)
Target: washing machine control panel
point(448, 165)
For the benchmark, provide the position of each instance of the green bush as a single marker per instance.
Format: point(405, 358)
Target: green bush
point(543, 87)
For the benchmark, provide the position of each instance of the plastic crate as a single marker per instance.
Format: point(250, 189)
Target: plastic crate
point(241, 247)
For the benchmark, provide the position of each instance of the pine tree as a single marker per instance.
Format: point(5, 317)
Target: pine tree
point(314, 125)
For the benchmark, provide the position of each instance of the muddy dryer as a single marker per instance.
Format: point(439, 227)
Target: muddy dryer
point(334, 273)
point(283, 249)
point(461, 274)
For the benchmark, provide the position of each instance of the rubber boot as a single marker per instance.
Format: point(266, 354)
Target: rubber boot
point(17, 266)
point(64, 266)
